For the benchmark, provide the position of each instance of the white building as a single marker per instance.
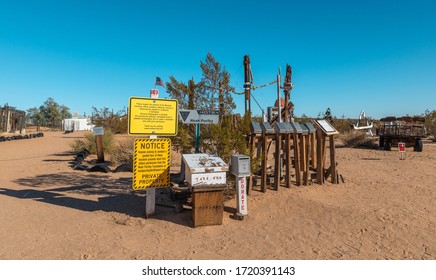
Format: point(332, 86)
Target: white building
point(77, 124)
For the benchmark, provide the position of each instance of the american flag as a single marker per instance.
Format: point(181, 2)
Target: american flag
point(159, 82)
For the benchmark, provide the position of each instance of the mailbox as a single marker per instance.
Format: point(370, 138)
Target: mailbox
point(281, 128)
point(297, 127)
point(206, 176)
point(204, 170)
point(255, 128)
point(266, 128)
point(288, 127)
point(310, 127)
point(240, 165)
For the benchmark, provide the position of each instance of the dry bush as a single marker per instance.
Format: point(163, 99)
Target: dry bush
point(358, 139)
point(89, 144)
point(122, 153)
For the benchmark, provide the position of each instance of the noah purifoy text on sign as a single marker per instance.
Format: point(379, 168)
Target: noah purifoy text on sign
point(199, 116)
point(149, 116)
point(151, 163)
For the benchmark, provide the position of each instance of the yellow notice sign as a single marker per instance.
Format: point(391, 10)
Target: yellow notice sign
point(149, 116)
point(151, 163)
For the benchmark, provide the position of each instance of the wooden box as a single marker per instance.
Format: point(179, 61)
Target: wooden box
point(207, 205)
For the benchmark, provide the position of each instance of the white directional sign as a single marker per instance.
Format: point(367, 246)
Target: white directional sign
point(199, 116)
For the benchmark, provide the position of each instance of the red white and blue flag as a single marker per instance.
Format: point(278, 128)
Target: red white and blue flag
point(159, 82)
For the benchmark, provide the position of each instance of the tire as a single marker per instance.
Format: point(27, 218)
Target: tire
point(381, 142)
point(388, 144)
point(124, 168)
point(418, 145)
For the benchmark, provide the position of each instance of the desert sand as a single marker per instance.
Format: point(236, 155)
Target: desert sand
point(385, 210)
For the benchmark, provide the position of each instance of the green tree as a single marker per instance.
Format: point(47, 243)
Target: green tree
point(49, 114)
point(212, 92)
point(215, 86)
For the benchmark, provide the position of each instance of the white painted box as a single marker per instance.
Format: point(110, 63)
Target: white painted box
point(204, 170)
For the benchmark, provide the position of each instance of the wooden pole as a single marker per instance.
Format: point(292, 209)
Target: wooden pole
point(247, 84)
point(306, 160)
point(264, 162)
point(297, 160)
point(333, 159)
point(287, 89)
point(99, 147)
point(277, 169)
point(319, 161)
point(313, 149)
point(288, 160)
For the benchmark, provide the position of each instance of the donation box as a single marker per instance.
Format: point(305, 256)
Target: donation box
point(206, 176)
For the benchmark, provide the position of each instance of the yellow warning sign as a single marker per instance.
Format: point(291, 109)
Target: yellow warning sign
point(150, 116)
point(151, 163)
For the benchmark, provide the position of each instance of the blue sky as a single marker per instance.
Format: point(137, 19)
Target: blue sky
point(379, 56)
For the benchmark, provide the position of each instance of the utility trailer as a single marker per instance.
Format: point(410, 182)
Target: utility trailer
point(410, 130)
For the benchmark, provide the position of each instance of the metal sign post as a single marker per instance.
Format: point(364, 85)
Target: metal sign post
point(152, 117)
point(198, 117)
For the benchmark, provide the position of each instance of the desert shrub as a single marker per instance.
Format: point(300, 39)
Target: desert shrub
point(430, 123)
point(116, 122)
point(359, 139)
point(122, 153)
point(88, 142)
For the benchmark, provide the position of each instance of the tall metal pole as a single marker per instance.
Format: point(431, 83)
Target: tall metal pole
point(247, 84)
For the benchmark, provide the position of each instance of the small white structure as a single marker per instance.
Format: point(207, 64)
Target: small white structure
point(363, 124)
point(77, 123)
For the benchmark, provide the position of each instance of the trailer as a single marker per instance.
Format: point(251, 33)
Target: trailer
point(409, 130)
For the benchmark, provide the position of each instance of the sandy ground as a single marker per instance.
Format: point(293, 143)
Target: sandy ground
point(385, 210)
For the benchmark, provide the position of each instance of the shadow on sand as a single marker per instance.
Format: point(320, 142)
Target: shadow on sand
point(74, 190)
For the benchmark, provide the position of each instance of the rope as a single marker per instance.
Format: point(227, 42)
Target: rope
point(270, 83)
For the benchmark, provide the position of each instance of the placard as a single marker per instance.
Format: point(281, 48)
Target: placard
point(149, 116)
point(326, 127)
point(151, 163)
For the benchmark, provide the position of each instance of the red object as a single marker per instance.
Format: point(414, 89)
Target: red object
point(154, 93)
point(402, 147)
point(282, 102)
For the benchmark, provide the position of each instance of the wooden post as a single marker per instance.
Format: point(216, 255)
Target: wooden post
point(264, 162)
point(247, 84)
point(277, 169)
point(319, 152)
point(288, 160)
point(297, 160)
point(99, 147)
point(307, 161)
point(333, 159)
point(313, 149)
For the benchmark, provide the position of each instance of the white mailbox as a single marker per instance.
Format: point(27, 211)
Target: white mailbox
point(240, 165)
point(204, 170)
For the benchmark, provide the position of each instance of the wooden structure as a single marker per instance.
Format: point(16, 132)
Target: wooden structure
point(300, 153)
point(12, 120)
point(206, 176)
point(410, 130)
point(207, 205)
point(326, 130)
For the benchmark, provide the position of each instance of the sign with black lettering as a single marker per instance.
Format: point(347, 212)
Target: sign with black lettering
point(151, 163)
point(199, 116)
point(149, 116)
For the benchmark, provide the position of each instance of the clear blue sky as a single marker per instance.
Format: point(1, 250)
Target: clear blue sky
point(379, 56)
